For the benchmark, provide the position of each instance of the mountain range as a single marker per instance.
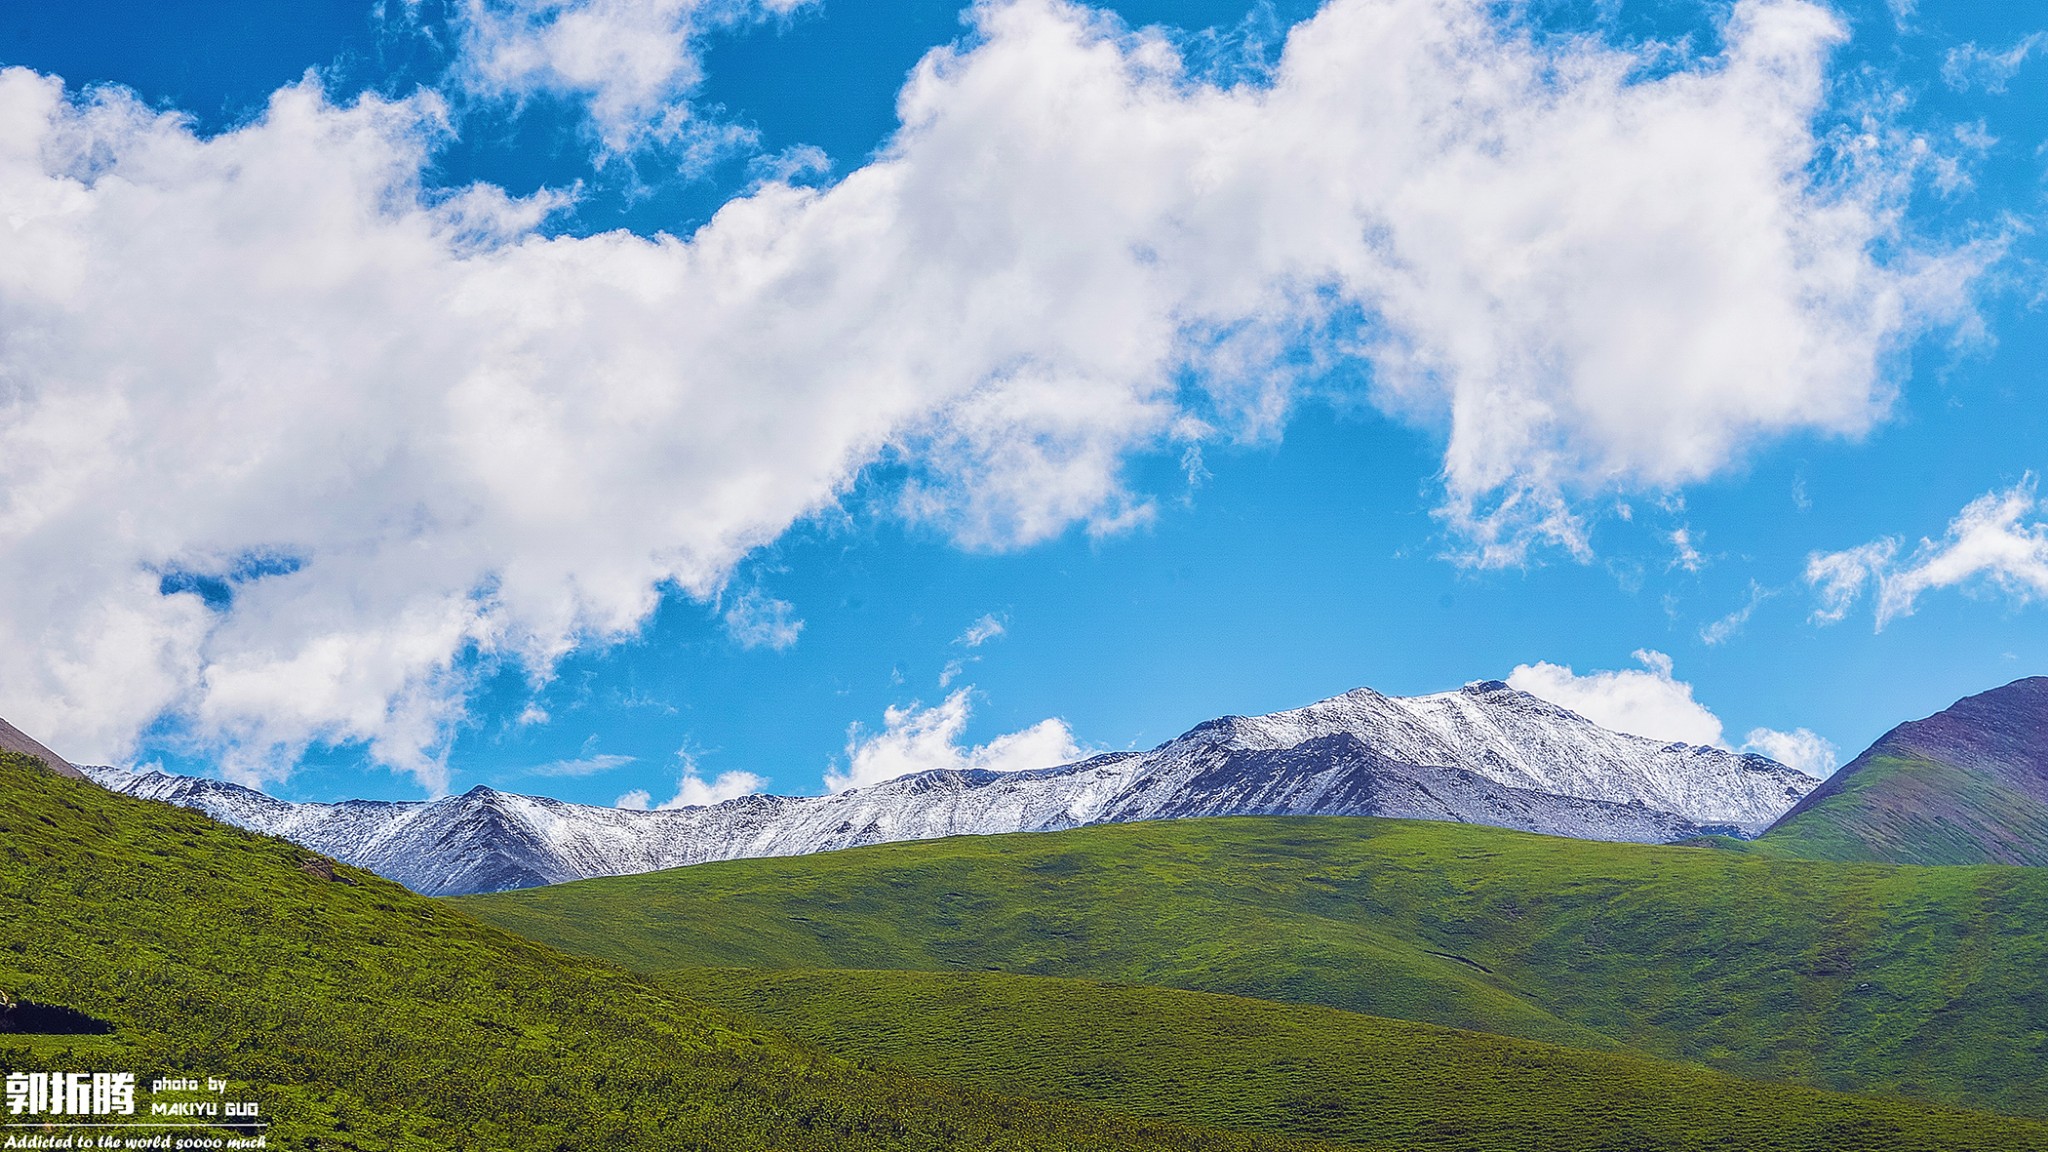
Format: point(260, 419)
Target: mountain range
point(363, 1015)
point(1486, 754)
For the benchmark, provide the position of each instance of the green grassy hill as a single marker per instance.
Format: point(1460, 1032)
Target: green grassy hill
point(1921, 982)
point(1315, 1071)
point(1967, 785)
point(362, 1016)
point(1911, 809)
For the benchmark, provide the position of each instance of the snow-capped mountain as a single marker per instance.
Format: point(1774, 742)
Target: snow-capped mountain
point(1486, 754)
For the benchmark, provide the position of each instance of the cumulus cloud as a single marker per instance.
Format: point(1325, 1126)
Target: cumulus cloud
point(757, 620)
point(1800, 748)
point(313, 443)
point(693, 791)
point(1996, 544)
point(633, 62)
point(1641, 702)
point(1651, 702)
point(916, 738)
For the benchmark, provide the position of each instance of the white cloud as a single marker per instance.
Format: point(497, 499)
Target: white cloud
point(725, 786)
point(1970, 66)
point(634, 62)
point(1646, 702)
point(1687, 553)
point(982, 631)
point(582, 766)
point(692, 790)
point(916, 738)
point(1650, 702)
point(757, 620)
point(1728, 627)
point(1838, 578)
point(385, 438)
point(1992, 544)
point(1800, 748)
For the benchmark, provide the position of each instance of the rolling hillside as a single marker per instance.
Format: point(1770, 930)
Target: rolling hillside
point(1968, 785)
point(1314, 1071)
point(362, 1016)
point(1931, 983)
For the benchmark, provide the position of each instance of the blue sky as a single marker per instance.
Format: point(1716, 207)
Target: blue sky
point(231, 548)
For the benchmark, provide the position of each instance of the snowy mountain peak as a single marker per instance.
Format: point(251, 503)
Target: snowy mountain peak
point(1485, 753)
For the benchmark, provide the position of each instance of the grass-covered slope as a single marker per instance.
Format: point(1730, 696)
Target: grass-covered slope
point(1968, 785)
point(1911, 981)
point(1316, 1071)
point(363, 1016)
point(1909, 809)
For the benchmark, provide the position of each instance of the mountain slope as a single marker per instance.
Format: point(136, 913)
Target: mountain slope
point(362, 1016)
point(14, 740)
point(1914, 981)
point(1968, 785)
point(1485, 754)
point(1312, 1071)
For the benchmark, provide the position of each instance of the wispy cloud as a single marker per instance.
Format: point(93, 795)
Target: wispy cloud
point(1728, 627)
point(1970, 65)
point(757, 620)
point(1997, 544)
point(633, 63)
point(583, 766)
point(1685, 549)
point(981, 632)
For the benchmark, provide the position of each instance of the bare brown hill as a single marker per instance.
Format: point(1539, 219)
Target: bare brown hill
point(13, 739)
